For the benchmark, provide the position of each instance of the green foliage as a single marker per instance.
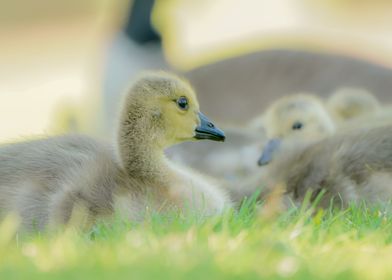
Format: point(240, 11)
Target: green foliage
point(300, 243)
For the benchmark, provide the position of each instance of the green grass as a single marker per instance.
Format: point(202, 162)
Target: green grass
point(297, 244)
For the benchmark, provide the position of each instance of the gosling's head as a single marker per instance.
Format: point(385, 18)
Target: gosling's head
point(163, 108)
point(299, 117)
point(349, 103)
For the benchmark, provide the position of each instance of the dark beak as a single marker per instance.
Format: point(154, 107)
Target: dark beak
point(269, 151)
point(207, 130)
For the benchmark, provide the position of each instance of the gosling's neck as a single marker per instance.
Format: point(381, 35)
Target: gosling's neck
point(141, 157)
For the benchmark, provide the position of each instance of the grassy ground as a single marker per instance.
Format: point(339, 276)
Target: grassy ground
point(297, 244)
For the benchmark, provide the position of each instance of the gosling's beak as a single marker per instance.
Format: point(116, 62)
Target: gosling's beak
point(207, 130)
point(268, 151)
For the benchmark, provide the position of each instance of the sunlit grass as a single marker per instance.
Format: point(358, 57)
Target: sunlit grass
point(297, 244)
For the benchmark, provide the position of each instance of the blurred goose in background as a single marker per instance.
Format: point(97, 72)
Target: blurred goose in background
point(347, 104)
point(51, 181)
point(349, 166)
point(356, 108)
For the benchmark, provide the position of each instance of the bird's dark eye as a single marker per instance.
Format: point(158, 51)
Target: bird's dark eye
point(182, 103)
point(297, 126)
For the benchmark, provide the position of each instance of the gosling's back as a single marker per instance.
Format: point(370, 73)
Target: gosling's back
point(39, 179)
point(352, 166)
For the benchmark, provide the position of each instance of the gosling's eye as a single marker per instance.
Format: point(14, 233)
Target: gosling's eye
point(182, 103)
point(297, 126)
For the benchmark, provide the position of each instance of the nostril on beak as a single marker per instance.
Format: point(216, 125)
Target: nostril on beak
point(211, 125)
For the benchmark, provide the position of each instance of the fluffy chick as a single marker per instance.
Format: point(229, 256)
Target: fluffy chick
point(350, 167)
point(349, 103)
point(50, 181)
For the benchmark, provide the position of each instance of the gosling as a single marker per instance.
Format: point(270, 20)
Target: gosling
point(347, 104)
point(349, 167)
point(50, 182)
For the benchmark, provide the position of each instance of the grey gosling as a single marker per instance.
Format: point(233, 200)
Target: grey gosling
point(55, 181)
point(349, 167)
point(349, 103)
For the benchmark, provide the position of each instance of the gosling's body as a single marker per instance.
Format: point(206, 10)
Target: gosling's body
point(55, 181)
point(42, 180)
point(350, 167)
point(380, 118)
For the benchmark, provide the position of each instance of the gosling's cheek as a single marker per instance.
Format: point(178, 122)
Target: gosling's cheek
point(192, 131)
point(196, 120)
point(187, 132)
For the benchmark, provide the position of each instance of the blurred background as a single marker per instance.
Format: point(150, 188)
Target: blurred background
point(65, 64)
